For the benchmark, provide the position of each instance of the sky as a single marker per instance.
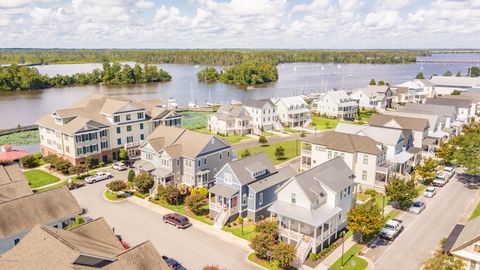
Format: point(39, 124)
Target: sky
point(309, 24)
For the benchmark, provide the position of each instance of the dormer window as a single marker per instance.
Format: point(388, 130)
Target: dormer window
point(58, 121)
point(259, 173)
point(128, 117)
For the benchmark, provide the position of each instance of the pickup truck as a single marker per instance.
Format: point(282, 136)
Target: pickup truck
point(439, 181)
point(392, 229)
point(98, 177)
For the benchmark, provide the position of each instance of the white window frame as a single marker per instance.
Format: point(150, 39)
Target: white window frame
point(260, 198)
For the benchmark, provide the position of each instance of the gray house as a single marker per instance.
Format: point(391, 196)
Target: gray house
point(246, 187)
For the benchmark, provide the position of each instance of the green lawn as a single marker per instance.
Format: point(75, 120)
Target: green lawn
point(38, 178)
point(234, 138)
point(111, 195)
point(182, 209)
point(364, 115)
point(362, 197)
point(350, 255)
point(320, 122)
point(268, 134)
point(292, 149)
point(51, 187)
point(248, 231)
point(291, 130)
point(194, 120)
point(268, 265)
point(476, 212)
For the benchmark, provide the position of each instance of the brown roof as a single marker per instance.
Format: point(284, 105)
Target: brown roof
point(98, 229)
point(50, 248)
point(457, 101)
point(350, 143)
point(45, 207)
point(180, 141)
point(417, 124)
point(469, 234)
point(12, 183)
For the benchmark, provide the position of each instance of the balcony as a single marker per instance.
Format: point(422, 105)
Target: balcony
point(306, 152)
point(133, 144)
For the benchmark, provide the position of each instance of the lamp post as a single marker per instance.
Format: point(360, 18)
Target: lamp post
point(343, 245)
point(242, 225)
point(383, 205)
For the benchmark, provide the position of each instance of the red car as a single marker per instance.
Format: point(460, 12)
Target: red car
point(177, 220)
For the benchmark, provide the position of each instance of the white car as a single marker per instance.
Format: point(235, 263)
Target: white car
point(430, 192)
point(119, 166)
point(98, 177)
point(449, 171)
point(417, 207)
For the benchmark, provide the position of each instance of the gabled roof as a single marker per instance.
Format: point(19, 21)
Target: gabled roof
point(440, 110)
point(229, 112)
point(25, 212)
point(340, 97)
point(98, 229)
point(281, 176)
point(416, 124)
point(257, 103)
point(469, 235)
point(381, 89)
point(432, 118)
point(13, 183)
point(459, 102)
point(455, 81)
point(291, 101)
point(350, 143)
point(245, 167)
point(334, 174)
point(385, 135)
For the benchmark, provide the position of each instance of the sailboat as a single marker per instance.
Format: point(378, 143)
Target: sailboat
point(192, 103)
point(172, 103)
point(295, 68)
point(421, 66)
point(209, 104)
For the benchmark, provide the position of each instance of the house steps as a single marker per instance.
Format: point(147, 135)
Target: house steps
point(220, 220)
point(307, 123)
point(303, 249)
point(278, 126)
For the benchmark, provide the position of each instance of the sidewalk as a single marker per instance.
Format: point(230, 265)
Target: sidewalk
point(336, 254)
point(225, 236)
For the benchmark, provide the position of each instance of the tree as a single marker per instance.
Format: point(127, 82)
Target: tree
point(263, 244)
point(445, 152)
point(365, 219)
point(456, 92)
point(420, 76)
point(79, 220)
point(29, 161)
point(170, 194)
point(117, 185)
point(280, 153)
point(466, 148)
point(262, 140)
point(78, 169)
point(267, 226)
point(474, 72)
point(284, 254)
point(372, 82)
point(447, 73)
point(381, 83)
point(443, 261)
point(131, 176)
point(459, 74)
point(245, 153)
point(122, 154)
point(401, 191)
point(196, 203)
point(427, 170)
point(143, 182)
point(90, 162)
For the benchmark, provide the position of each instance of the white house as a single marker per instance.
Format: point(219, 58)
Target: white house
point(466, 107)
point(312, 207)
point(417, 91)
point(373, 97)
point(363, 155)
point(230, 120)
point(464, 243)
point(264, 114)
point(336, 104)
point(445, 85)
point(292, 111)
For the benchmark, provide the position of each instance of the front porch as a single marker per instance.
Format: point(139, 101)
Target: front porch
point(222, 203)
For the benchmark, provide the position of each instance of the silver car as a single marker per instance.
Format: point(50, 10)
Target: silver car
point(430, 192)
point(417, 207)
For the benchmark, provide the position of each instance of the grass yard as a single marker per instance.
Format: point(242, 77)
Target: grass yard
point(248, 231)
point(320, 122)
point(268, 134)
point(111, 195)
point(234, 138)
point(351, 255)
point(194, 120)
point(292, 149)
point(21, 138)
point(51, 187)
point(476, 212)
point(39, 178)
point(364, 115)
point(291, 130)
point(182, 209)
point(362, 197)
point(268, 265)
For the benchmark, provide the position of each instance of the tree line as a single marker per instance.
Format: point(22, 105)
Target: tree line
point(207, 57)
point(246, 73)
point(14, 77)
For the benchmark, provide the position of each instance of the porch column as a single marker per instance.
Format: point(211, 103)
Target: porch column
point(315, 239)
point(229, 205)
point(223, 202)
point(289, 223)
point(299, 234)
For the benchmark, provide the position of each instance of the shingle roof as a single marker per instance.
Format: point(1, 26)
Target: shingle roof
point(242, 168)
point(350, 143)
point(458, 103)
point(13, 183)
point(257, 103)
point(416, 124)
point(335, 174)
point(98, 229)
point(281, 176)
point(455, 81)
point(469, 234)
point(432, 118)
point(383, 135)
point(38, 208)
point(441, 110)
point(236, 111)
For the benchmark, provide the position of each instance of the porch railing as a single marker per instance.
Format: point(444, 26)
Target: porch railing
point(285, 232)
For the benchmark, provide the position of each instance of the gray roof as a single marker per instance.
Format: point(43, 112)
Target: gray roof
point(144, 165)
point(236, 111)
point(335, 174)
point(469, 234)
point(441, 110)
point(458, 103)
point(281, 176)
point(345, 142)
point(243, 168)
point(223, 190)
point(417, 124)
point(385, 135)
point(257, 103)
point(314, 217)
point(427, 82)
point(13, 183)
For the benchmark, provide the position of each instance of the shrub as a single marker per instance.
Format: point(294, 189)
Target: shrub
point(117, 185)
point(284, 254)
point(122, 154)
point(280, 153)
point(239, 220)
point(245, 153)
point(131, 175)
point(29, 161)
point(201, 190)
point(267, 226)
point(78, 221)
point(263, 244)
point(196, 203)
point(371, 192)
point(78, 169)
point(91, 163)
point(262, 140)
point(170, 194)
point(143, 182)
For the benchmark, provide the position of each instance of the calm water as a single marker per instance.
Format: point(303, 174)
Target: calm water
point(295, 78)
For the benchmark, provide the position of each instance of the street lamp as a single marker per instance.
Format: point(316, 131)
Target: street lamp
point(383, 205)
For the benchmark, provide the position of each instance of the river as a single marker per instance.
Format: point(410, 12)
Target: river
point(23, 108)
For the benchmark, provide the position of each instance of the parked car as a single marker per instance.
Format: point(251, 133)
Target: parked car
point(119, 166)
point(417, 207)
point(98, 177)
point(439, 182)
point(392, 229)
point(430, 192)
point(173, 264)
point(449, 171)
point(177, 220)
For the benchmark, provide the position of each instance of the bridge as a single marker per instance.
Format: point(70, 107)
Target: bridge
point(451, 56)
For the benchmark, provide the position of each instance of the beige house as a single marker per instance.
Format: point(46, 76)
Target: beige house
point(92, 245)
point(21, 209)
point(230, 120)
point(364, 156)
point(464, 243)
point(414, 91)
point(179, 156)
point(99, 125)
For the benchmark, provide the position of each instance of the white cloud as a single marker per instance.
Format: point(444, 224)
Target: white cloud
point(145, 4)
point(14, 3)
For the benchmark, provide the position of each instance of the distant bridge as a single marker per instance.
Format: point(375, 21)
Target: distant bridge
point(451, 56)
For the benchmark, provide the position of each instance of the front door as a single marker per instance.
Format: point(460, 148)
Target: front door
point(234, 202)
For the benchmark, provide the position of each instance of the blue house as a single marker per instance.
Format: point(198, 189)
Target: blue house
point(246, 187)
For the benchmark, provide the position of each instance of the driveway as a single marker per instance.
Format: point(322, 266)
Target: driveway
point(424, 232)
point(191, 247)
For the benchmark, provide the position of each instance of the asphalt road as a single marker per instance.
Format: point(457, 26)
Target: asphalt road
point(191, 247)
point(423, 233)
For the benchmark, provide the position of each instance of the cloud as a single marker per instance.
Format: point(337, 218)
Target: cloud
point(14, 3)
point(145, 4)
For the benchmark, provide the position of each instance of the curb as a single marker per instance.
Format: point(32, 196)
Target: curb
point(252, 263)
point(108, 200)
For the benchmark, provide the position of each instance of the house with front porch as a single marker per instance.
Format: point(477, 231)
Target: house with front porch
point(264, 115)
point(373, 97)
point(312, 207)
point(246, 187)
point(336, 104)
point(363, 155)
point(179, 156)
point(292, 111)
point(230, 120)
